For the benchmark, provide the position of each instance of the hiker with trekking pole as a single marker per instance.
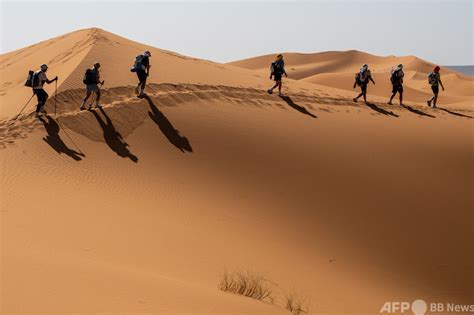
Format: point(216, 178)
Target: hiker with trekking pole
point(142, 68)
point(362, 79)
point(36, 80)
point(92, 81)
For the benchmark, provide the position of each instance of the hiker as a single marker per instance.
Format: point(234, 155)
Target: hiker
point(396, 77)
point(362, 79)
point(277, 70)
point(39, 78)
point(92, 81)
point(142, 68)
point(434, 78)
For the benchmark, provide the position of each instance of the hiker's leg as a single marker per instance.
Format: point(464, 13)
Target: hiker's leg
point(274, 86)
point(88, 94)
point(279, 87)
point(391, 97)
point(401, 97)
point(435, 99)
point(98, 96)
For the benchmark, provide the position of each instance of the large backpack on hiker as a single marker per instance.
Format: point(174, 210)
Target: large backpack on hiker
point(138, 65)
point(89, 77)
point(32, 79)
point(433, 78)
point(395, 76)
point(277, 67)
point(362, 77)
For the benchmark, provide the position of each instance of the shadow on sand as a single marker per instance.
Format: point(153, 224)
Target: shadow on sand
point(417, 111)
point(173, 135)
point(454, 113)
point(380, 110)
point(299, 108)
point(55, 141)
point(112, 137)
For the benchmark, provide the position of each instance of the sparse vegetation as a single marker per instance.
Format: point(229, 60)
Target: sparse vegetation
point(247, 284)
point(296, 304)
point(255, 286)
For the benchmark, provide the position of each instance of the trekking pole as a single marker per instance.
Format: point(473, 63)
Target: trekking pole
point(21, 111)
point(55, 98)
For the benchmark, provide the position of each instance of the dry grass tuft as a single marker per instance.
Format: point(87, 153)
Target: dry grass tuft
point(296, 304)
point(247, 284)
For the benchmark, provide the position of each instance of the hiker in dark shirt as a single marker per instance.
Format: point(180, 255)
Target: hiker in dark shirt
point(92, 81)
point(362, 79)
point(277, 70)
point(396, 77)
point(142, 68)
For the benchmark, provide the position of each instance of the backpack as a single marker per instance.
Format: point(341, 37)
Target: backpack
point(277, 67)
point(432, 78)
point(138, 65)
point(89, 77)
point(33, 79)
point(395, 76)
point(362, 77)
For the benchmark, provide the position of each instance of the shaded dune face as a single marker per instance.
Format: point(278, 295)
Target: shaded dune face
point(140, 206)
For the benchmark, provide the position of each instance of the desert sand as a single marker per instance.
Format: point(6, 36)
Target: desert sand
point(140, 207)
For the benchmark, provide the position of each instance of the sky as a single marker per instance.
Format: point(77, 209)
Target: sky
point(437, 31)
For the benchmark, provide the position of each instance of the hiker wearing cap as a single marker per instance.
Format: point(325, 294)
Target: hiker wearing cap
point(434, 79)
point(396, 77)
point(92, 80)
point(277, 70)
point(39, 80)
point(142, 68)
point(362, 79)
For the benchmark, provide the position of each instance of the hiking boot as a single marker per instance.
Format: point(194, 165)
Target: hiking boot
point(429, 103)
point(98, 105)
point(390, 103)
point(82, 107)
point(269, 91)
point(136, 90)
point(355, 100)
point(38, 114)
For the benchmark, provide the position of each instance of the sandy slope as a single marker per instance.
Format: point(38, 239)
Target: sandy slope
point(140, 207)
point(337, 68)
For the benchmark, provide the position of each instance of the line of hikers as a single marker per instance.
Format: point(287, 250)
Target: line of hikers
point(142, 66)
point(364, 76)
point(91, 79)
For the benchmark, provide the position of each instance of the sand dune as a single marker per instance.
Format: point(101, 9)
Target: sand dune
point(337, 69)
point(140, 207)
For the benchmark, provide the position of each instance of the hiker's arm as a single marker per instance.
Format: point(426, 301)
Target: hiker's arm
point(284, 71)
point(441, 83)
point(372, 79)
point(51, 81)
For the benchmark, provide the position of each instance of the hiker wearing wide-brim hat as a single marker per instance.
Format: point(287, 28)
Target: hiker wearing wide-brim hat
point(277, 70)
point(92, 80)
point(38, 80)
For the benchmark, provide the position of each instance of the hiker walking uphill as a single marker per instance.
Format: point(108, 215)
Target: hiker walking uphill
point(277, 70)
point(92, 81)
point(36, 80)
point(362, 79)
point(434, 79)
point(142, 68)
point(396, 78)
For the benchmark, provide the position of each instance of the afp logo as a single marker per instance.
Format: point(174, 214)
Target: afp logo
point(418, 307)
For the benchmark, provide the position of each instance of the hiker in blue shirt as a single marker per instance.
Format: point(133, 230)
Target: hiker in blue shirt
point(277, 70)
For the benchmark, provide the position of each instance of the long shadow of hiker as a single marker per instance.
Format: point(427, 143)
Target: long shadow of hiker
point(55, 141)
point(454, 113)
point(299, 108)
point(113, 138)
point(417, 111)
point(381, 110)
point(172, 134)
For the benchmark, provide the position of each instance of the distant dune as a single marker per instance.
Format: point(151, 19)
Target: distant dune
point(468, 70)
point(139, 208)
point(337, 68)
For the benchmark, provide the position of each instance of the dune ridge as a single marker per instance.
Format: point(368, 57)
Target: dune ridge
point(140, 207)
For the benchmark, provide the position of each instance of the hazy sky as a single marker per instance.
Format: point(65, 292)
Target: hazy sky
point(439, 31)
